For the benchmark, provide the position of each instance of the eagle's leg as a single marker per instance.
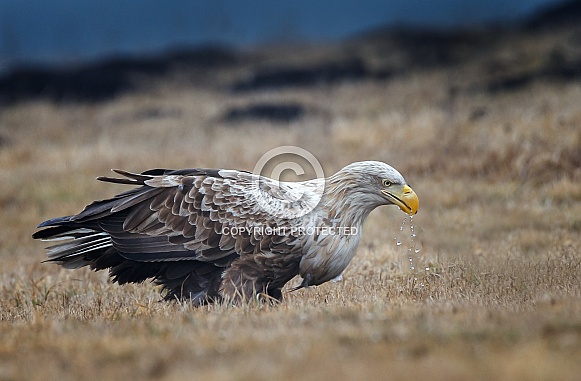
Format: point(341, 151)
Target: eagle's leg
point(254, 276)
point(237, 287)
point(275, 293)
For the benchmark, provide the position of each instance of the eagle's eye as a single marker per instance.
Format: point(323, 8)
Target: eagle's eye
point(386, 183)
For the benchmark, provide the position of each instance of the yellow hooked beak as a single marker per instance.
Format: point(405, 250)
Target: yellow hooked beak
point(404, 197)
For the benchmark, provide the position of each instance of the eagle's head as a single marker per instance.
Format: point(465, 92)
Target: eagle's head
point(375, 183)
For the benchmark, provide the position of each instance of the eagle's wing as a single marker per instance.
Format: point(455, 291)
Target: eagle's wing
point(204, 215)
point(196, 214)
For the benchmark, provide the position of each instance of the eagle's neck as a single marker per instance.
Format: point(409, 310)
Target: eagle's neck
point(344, 200)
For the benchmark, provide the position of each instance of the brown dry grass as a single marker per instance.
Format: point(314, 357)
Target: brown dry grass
point(500, 220)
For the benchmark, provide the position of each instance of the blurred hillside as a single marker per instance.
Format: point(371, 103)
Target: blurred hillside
point(496, 58)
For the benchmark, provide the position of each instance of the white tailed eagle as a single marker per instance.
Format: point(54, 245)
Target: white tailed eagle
point(207, 235)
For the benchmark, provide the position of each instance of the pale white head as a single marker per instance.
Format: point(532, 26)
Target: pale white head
point(369, 184)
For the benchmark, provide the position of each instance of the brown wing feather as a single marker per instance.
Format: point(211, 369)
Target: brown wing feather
point(189, 214)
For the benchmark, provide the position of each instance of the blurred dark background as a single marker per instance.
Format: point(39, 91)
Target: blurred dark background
point(64, 30)
point(92, 50)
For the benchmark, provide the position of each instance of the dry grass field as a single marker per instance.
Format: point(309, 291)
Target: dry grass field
point(496, 289)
